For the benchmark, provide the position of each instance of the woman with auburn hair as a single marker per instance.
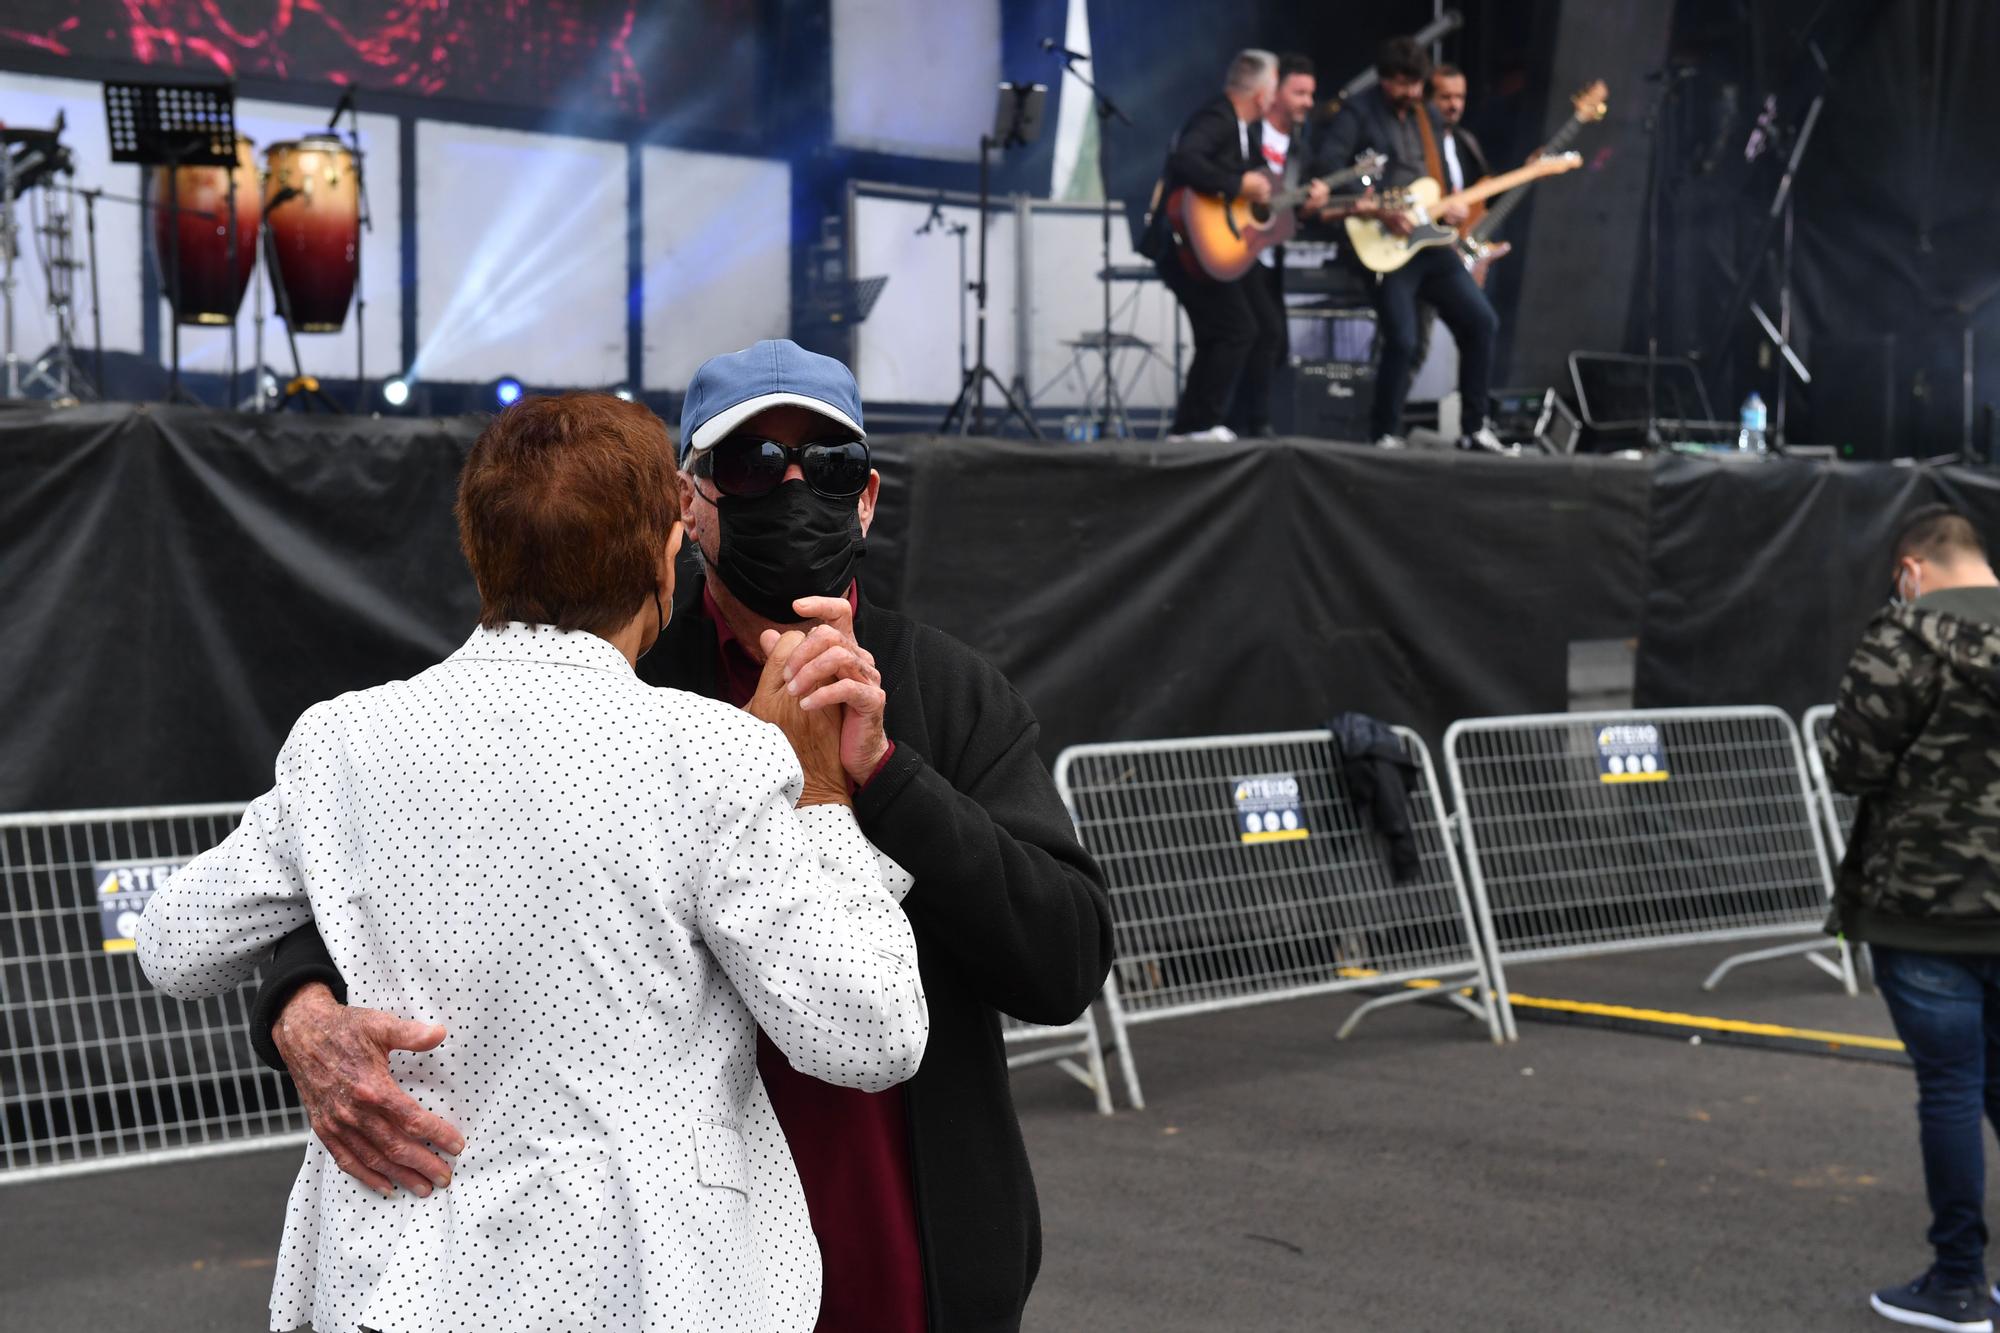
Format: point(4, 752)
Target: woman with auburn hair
point(610, 888)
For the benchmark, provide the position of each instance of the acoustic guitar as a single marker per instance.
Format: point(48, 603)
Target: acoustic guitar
point(1384, 251)
point(1477, 247)
point(1221, 238)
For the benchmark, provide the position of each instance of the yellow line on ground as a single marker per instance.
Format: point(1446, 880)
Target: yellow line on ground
point(1708, 1024)
point(1666, 1018)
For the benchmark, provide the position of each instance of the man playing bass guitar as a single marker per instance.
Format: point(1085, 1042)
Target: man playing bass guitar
point(1394, 119)
point(1239, 325)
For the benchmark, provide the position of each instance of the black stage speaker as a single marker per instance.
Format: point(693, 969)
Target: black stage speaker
point(1330, 400)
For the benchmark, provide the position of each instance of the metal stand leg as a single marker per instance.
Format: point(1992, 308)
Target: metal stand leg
point(1840, 967)
point(1452, 991)
point(1114, 1012)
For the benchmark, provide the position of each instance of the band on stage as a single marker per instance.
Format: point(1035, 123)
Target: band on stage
point(1254, 145)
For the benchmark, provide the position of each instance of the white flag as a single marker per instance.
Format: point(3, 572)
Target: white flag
point(1077, 173)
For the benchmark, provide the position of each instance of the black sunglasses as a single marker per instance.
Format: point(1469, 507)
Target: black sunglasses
point(750, 465)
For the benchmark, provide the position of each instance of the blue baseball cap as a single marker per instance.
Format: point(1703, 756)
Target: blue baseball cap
point(730, 389)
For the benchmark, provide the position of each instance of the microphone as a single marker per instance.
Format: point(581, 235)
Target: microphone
point(341, 108)
point(935, 218)
point(1055, 48)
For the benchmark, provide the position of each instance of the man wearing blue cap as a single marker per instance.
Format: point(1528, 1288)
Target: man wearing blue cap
point(921, 1196)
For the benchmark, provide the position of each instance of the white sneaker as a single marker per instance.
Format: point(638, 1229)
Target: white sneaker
point(1485, 440)
point(1388, 442)
point(1213, 435)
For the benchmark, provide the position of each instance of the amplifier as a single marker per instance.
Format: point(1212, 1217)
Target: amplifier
point(1329, 400)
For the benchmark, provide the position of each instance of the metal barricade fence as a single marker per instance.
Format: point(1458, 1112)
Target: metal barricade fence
point(99, 1069)
point(1591, 833)
point(1836, 808)
point(1241, 871)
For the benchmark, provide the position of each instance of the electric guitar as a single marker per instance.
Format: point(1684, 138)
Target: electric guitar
point(1477, 247)
point(1384, 251)
point(1221, 238)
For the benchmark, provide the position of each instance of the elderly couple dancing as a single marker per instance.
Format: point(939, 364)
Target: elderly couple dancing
point(686, 898)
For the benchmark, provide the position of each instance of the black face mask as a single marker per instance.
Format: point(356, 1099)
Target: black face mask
point(787, 544)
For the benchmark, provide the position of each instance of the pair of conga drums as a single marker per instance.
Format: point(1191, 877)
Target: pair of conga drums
point(310, 203)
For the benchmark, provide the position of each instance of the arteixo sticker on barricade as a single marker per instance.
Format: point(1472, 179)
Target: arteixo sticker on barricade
point(1269, 808)
point(1631, 752)
point(123, 890)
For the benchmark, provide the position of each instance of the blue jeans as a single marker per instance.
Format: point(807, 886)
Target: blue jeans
point(1946, 1008)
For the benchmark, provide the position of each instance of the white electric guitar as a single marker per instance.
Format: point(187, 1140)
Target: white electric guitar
point(1423, 199)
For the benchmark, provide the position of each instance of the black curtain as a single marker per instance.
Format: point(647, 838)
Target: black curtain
point(1892, 204)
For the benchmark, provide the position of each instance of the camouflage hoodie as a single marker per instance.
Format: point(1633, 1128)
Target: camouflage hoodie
point(1916, 735)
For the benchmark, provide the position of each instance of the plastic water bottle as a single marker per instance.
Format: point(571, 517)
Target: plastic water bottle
point(1750, 429)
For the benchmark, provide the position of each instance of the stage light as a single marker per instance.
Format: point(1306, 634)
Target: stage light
point(507, 390)
point(396, 392)
point(622, 393)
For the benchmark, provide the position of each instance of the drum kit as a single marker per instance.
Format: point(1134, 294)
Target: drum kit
point(213, 213)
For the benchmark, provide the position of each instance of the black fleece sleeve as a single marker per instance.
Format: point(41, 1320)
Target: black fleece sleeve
point(1002, 885)
point(1208, 155)
point(301, 957)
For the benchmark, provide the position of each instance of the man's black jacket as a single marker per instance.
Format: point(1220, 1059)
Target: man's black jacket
point(1009, 913)
point(1208, 157)
point(1368, 121)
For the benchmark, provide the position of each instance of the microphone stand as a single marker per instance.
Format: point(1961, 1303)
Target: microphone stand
point(959, 230)
point(367, 225)
point(1107, 110)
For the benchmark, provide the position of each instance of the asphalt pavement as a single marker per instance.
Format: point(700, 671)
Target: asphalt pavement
point(1412, 1177)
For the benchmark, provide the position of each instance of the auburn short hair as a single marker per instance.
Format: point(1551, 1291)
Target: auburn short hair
point(564, 509)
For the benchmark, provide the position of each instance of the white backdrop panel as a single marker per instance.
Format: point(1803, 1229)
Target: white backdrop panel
point(906, 351)
point(718, 277)
point(915, 76)
point(330, 355)
point(520, 256)
point(1066, 253)
point(34, 103)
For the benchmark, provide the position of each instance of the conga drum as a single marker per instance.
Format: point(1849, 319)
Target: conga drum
point(312, 210)
point(210, 289)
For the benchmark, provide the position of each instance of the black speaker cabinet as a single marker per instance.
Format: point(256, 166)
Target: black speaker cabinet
point(1331, 400)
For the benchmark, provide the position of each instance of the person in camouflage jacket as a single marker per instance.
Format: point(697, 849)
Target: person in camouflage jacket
point(1916, 736)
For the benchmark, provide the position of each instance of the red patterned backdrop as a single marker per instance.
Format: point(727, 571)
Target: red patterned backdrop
point(614, 56)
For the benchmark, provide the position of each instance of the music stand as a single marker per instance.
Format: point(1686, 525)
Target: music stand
point(175, 125)
point(1017, 120)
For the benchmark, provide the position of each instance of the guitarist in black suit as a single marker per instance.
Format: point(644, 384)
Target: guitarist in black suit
point(1394, 119)
point(1220, 151)
point(1286, 156)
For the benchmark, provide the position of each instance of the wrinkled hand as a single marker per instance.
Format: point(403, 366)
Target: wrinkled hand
point(814, 733)
point(831, 667)
point(376, 1132)
point(1257, 187)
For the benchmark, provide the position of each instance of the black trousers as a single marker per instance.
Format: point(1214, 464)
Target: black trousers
point(1239, 333)
point(1436, 276)
point(1250, 412)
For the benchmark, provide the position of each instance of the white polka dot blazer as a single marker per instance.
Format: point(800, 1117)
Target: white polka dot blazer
point(603, 889)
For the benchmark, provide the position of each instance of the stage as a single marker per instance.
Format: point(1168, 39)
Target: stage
point(183, 583)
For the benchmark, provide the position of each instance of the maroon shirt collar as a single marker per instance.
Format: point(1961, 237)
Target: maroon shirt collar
point(741, 671)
